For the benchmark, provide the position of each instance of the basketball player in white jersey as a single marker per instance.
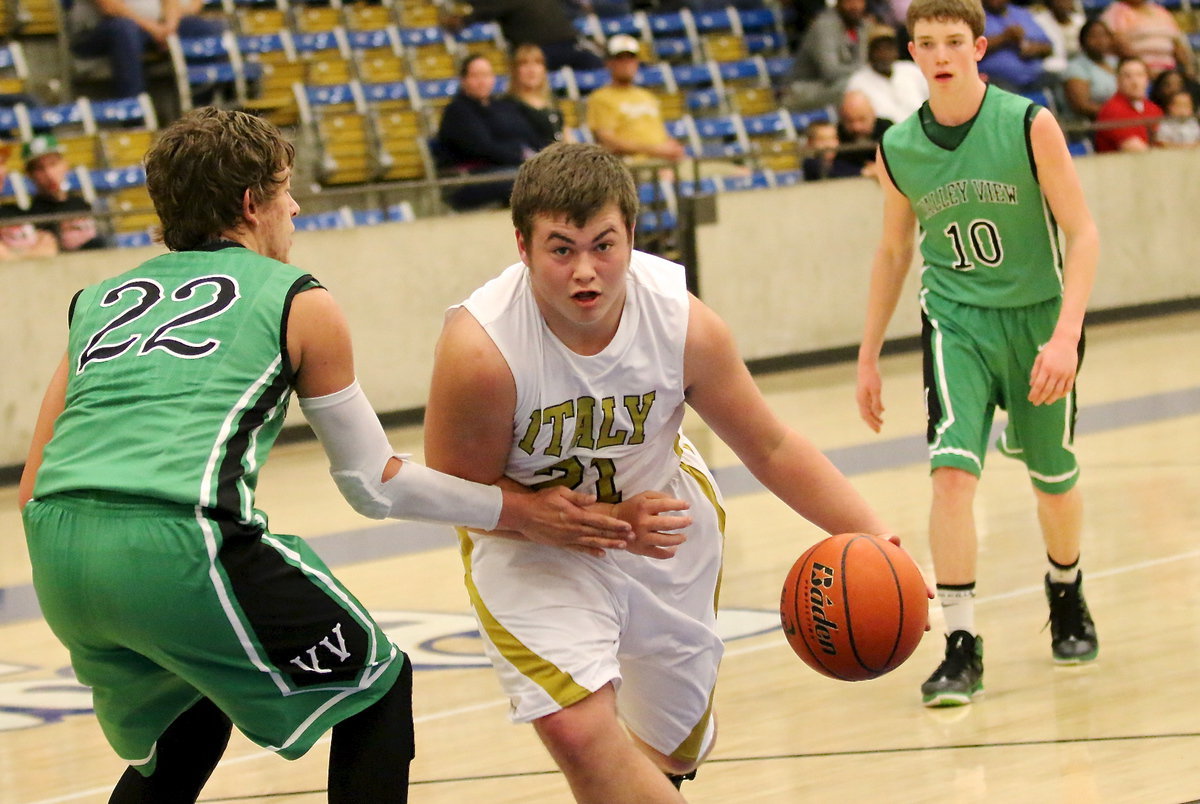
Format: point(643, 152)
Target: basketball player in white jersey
point(572, 368)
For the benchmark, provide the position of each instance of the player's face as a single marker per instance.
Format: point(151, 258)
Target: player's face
point(946, 52)
point(578, 275)
point(275, 226)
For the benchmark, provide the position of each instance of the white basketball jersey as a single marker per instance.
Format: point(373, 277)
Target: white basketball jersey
point(605, 423)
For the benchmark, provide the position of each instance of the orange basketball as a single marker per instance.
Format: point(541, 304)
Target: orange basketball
point(854, 606)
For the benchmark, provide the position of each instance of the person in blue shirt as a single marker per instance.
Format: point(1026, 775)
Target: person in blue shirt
point(1017, 48)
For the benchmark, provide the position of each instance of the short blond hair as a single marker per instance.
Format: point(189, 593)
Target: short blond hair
point(968, 11)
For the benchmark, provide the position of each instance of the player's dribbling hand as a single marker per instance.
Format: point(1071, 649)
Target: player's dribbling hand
point(657, 521)
point(560, 517)
point(929, 591)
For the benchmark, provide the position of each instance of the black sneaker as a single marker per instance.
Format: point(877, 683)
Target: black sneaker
point(679, 778)
point(959, 677)
point(1072, 632)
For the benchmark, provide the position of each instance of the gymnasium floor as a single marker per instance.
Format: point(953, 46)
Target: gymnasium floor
point(1125, 729)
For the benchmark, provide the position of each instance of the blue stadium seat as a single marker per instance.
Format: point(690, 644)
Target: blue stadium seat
point(705, 186)
point(674, 34)
point(758, 180)
point(635, 25)
point(1080, 148)
point(769, 42)
point(133, 239)
point(123, 111)
point(258, 45)
point(721, 136)
point(716, 20)
point(387, 91)
point(203, 63)
point(114, 179)
point(588, 80)
point(696, 75)
point(779, 67)
point(435, 89)
point(788, 178)
point(802, 120)
point(340, 218)
point(373, 40)
point(650, 222)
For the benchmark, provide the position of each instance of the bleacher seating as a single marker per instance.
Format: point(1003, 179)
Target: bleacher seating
point(365, 82)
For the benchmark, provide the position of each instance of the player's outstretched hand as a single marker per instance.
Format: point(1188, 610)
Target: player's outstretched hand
point(560, 517)
point(657, 521)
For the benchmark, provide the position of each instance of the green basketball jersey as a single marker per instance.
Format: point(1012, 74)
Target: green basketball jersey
point(988, 238)
point(178, 381)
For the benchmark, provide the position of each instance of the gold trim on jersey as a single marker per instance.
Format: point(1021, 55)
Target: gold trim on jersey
point(558, 684)
point(707, 485)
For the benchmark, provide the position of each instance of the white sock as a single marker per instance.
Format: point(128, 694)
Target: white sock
point(1061, 574)
point(958, 607)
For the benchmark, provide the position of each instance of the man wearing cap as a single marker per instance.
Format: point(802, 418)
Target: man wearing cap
point(47, 168)
point(895, 88)
point(19, 240)
point(625, 118)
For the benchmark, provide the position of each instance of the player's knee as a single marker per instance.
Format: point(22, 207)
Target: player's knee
point(950, 481)
point(571, 734)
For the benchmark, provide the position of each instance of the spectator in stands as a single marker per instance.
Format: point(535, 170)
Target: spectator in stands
point(1129, 103)
point(625, 118)
point(479, 133)
point(859, 131)
point(1145, 29)
point(124, 30)
point(894, 88)
point(1061, 21)
point(825, 162)
point(1016, 48)
point(1180, 128)
point(529, 90)
point(1091, 76)
point(833, 47)
point(20, 240)
point(48, 168)
point(1164, 86)
point(544, 23)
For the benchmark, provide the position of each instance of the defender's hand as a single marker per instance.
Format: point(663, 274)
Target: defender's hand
point(560, 517)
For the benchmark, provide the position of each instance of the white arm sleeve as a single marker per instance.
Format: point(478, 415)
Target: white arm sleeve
point(358, 450)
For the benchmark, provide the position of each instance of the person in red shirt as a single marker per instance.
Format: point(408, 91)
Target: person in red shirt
point(1129, 103)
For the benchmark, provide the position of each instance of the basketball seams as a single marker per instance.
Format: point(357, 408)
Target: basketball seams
point(825, 637)
point(799, 601)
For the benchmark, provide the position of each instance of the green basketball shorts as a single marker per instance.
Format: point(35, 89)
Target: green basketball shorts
point(160, 604)
point(979, 358)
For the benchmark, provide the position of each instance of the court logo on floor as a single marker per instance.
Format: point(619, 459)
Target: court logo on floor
point(34, 696)
point(443, 641)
